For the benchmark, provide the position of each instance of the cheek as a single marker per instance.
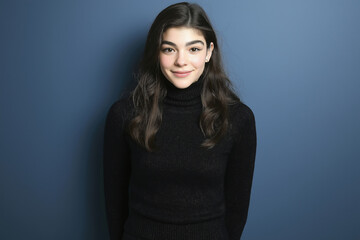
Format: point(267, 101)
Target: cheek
point(198, 61)
point(165, 61)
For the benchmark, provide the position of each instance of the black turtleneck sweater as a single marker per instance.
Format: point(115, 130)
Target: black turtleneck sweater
point(181, 191)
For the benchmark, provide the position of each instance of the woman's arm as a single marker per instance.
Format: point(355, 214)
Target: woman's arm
point(116, 170)
point(239, 173)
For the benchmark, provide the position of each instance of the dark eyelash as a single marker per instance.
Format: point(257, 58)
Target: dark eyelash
point(195, 49)
point(167, 50)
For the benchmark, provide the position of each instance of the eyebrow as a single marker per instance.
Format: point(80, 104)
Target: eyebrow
point(187, 44)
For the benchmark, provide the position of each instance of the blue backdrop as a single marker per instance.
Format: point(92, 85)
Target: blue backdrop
point(296, 63)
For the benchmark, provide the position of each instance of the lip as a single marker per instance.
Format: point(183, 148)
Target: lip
point(181, 74)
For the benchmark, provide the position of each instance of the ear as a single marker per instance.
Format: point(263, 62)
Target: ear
point(209, 51)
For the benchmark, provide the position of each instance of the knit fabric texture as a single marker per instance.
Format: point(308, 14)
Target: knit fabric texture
point(181, 191)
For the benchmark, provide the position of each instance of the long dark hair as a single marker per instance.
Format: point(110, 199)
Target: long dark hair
point(216, 95)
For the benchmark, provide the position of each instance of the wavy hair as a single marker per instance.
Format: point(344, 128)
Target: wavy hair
point(216, 95)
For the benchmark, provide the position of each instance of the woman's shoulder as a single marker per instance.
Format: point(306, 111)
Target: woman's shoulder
point(242, 118)
point(239, 111)
point(122, 104)
point(121, 109)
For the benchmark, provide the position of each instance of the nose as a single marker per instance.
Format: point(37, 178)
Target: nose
point(181, 59)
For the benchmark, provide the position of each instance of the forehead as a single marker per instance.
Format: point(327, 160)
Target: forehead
point(182, 35)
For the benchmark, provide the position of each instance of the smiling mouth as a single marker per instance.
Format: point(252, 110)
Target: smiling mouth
point(181, 74)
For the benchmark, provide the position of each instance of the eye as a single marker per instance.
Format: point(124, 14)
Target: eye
point(194, 49)
point(167, 50)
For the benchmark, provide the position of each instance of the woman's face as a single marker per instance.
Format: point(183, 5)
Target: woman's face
point(183, 55)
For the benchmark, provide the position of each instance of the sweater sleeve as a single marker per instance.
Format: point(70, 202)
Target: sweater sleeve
point(117, 165)
point(239, 173)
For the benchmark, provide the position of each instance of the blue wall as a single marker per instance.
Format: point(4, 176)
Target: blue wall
point(296, 63)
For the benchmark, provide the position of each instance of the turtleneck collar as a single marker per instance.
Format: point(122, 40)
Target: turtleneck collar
point(187, 97)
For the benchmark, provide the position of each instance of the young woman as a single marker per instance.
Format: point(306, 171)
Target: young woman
point(179, 153)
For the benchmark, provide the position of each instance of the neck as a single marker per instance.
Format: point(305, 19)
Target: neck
point(189, 96)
